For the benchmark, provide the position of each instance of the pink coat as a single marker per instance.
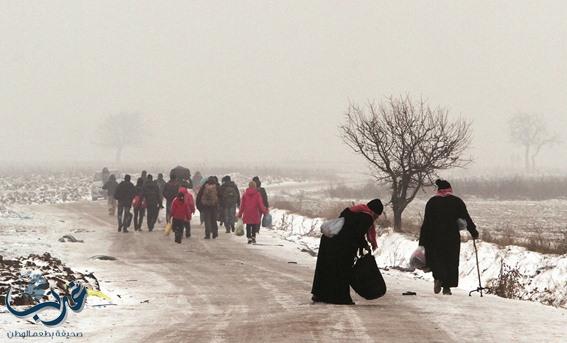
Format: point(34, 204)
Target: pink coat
point(251, 207)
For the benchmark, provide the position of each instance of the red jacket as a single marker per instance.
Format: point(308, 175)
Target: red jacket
point(251, 207)
point(179, 210)
point(188, 201)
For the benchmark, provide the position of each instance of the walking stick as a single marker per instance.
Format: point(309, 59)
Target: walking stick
point(479, 288)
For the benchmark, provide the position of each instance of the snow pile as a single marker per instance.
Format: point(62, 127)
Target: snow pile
point(298, 229)
point(39, 189)
point(512, 272)
point(20, 272)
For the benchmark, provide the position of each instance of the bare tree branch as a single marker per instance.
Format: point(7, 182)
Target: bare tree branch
point(406, 143)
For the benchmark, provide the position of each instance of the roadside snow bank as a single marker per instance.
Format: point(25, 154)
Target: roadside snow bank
point(511, 272)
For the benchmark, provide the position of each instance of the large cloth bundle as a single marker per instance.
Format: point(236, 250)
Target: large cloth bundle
point(366, 280)
point(332, 227)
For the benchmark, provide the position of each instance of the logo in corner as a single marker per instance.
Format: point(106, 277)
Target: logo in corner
point(37, 290)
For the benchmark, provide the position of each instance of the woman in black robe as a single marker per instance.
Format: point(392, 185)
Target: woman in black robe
point(331, 283)
point(440, 236)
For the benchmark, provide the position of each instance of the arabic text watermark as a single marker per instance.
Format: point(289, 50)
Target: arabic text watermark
point(48, 334)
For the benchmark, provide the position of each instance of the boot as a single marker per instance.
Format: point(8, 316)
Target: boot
point(437, 286)
point(447, 291)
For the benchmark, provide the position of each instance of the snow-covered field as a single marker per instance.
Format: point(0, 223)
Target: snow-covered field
point(49, 188)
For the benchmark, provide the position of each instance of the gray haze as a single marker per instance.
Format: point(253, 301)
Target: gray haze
point(263, 82)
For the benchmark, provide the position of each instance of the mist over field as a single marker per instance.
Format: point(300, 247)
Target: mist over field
point(267, 83)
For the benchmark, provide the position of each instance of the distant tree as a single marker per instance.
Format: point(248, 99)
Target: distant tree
point(530, 131)
point(406, 142)
point(122, 130)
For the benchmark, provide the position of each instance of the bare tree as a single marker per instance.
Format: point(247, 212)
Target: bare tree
point(530, 131)
point(119, 131)
point(406, 142)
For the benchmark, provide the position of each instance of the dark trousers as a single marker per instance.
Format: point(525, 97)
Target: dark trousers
point(229, 217)
point(210, 218)
point(139, 218)
point(178, 226)
point(251, 230)
point(168, 210)
point(124, 216)
point(153, 211)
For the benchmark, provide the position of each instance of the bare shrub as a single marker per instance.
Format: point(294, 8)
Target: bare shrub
point(508, 284)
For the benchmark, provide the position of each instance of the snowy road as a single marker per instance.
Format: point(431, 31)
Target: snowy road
point(224, 290)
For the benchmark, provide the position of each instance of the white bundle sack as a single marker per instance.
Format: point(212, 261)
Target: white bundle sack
point(332, 227)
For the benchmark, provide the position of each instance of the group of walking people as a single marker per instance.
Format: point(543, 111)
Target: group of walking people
point(218, 204)
point(439, 236)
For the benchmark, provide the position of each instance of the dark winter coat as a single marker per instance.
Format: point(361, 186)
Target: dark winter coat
point(441, 239)
point(151, 193)
point(170, 190)
point(124, 193)
point(264, 196)
point(110, 186)
point(161, 185)
point(331, 283)
point(230, 195)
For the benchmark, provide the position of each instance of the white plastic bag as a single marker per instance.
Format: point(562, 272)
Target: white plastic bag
point(239, 228)
point(332, 227)
point(417, 259)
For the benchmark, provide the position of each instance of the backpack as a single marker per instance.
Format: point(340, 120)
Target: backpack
point(210, 195)
point(229, 195)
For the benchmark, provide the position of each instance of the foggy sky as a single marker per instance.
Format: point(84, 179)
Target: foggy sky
point(261, 81)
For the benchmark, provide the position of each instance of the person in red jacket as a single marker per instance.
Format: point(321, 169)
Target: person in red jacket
point(180, 214)
point(251, 209)
point(188, 197)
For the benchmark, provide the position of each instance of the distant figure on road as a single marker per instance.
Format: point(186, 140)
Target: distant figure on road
point(230, 199)
point(170, 191)
point(110, 187)
point(208, 201)
point(152, 196)
point(263, 194)
point(440, 236)
point(139, 205)
point(161, 185)
point(124, 194)
point(182, 208)
point(251, 209)
point(105, 175)
point(331, 283)
point(190, 203)
point(197, 181)
point(143, 177)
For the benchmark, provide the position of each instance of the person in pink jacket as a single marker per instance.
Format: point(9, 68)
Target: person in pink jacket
point(191, 208)
point(251, 209)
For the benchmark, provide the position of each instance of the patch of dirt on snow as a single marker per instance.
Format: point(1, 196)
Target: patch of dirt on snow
point(18, 274)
